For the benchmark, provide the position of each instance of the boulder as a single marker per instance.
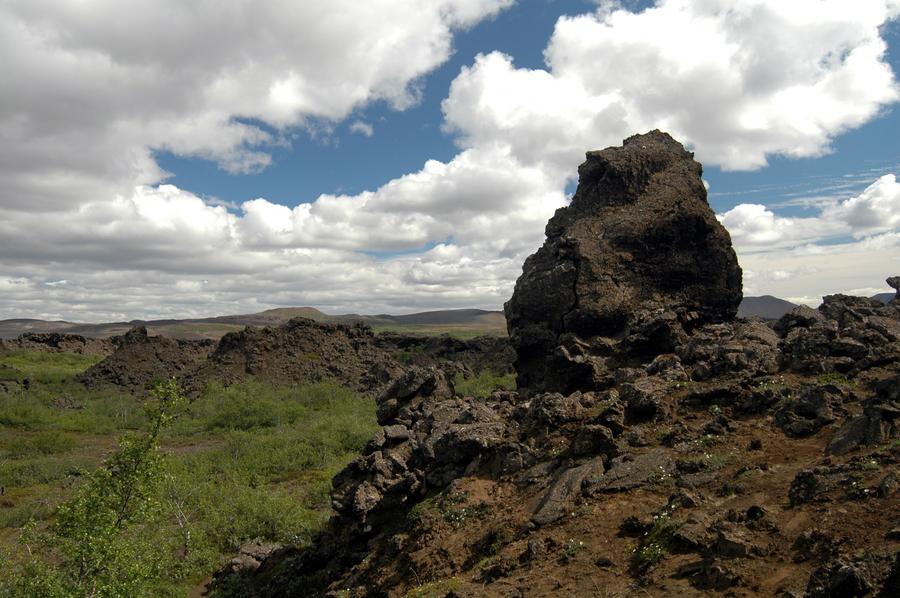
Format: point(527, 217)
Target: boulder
point(894, 283)
point(633, 263)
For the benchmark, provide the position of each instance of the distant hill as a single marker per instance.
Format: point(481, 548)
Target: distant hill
point(766, 307)
point(460, 322)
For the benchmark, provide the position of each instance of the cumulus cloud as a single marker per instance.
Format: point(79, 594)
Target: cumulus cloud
point(755, 227)
point(739, 81)
point(814, 270)
point(847, 247)
point(101, 86)
point(98, 86)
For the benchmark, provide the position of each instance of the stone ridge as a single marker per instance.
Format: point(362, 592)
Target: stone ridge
point(633, 263)
point(746, 450)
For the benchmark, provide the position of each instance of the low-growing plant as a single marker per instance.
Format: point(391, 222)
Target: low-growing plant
point(435, 589)
point(571, 548)
point(483, 384)
point(655, 545)
point(833, 378)
point(221, 481)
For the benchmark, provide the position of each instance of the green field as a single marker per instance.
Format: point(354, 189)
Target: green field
point(237, 464)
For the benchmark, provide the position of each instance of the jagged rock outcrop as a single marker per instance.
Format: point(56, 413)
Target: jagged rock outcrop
point(634, 263)
point(490, 353)
point(655, 440)
point(894, 283)
point(301, 350)
point(56, 342)
point(846, 334)
point(141, 360)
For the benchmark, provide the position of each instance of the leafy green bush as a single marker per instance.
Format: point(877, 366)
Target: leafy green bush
point(105, 539)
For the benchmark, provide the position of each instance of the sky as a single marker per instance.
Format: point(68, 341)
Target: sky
point(161, 158)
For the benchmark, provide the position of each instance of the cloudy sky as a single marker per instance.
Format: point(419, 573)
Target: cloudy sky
point(162, 158)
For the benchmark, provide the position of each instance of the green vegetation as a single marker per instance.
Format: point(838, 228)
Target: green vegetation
point(461, 332)
point(237, 464)
point(834, 378)
point(435, 589)
point(570, 549)
point(483, 384)
point(654, 545)
point(105, 540)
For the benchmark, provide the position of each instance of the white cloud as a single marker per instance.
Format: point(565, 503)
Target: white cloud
point(100, 86)
point(805, 258)
point(754, 227)
point(818, 270)
point(93, 87)
point(363, 128)
point(877, 209)
point(739, 81)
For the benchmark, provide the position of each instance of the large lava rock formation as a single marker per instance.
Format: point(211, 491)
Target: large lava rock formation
point(637, 259)
point(655, 440)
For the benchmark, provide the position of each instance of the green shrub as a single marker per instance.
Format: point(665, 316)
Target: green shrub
point(105, 540)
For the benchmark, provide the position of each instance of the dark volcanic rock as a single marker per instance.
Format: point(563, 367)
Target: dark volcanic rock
point(141, 360)
point(635, 260)
point(635, 379)
point(894, 283)
point(56, 342)
point(299, 351)
point(490, 353)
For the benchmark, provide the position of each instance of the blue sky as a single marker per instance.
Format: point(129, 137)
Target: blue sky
point(347, 162)
point(164, 159)
point(342, 161)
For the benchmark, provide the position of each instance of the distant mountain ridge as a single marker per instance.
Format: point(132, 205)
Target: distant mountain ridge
point(467, 321)
point(766, 307)
point(464, 321)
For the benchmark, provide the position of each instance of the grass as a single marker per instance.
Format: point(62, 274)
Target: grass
point(241, 463)
point(483, 384)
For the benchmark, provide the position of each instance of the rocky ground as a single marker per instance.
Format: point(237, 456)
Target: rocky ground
point(139, 360)
point(55, 342)
point(657, 445)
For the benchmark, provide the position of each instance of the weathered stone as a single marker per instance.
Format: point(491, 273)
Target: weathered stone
point(806, 414)
point(559, 498)
point(415, 383)
point(593, 440)
point(644, 399)
point(638, 255)
point(838, 579)
point(626, 473)
point(806, 487)
point(554, 409)
point(801, 316)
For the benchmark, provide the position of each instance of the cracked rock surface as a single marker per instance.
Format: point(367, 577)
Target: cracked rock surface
point(636, 260)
